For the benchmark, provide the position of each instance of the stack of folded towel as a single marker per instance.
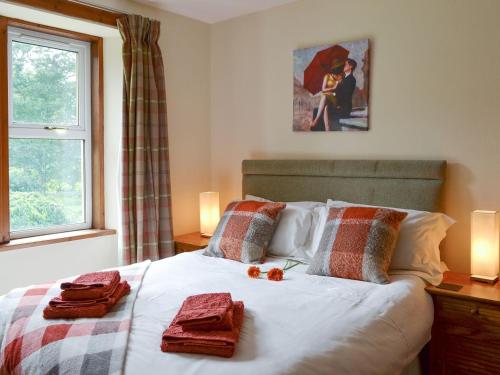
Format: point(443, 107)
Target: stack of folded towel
point(89, 296)
point(205, 324)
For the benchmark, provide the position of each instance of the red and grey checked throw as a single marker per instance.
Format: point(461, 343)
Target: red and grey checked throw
point(32, 345)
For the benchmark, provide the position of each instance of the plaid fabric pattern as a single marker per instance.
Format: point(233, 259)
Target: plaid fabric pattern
point(357, 243)
point(32, 345)
point(244, 231)
point(146, 201)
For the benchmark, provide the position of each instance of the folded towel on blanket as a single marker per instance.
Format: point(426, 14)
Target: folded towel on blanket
point(219, 343)
point(89, 293)
point(206, 312)
point(103, 280)
point(108, 298)
point(59, 309)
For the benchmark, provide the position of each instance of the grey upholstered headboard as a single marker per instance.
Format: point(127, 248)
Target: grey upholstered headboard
point(414, 184)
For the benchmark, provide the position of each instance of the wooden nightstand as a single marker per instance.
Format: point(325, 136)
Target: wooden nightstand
point(466, 330)
point(190, 242)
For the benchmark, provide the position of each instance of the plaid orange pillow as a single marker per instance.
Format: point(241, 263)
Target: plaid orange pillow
point(244, 231)
point(357, 243)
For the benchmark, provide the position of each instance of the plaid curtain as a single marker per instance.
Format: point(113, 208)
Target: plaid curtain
point(146, 202)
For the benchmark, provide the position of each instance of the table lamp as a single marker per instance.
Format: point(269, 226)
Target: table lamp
point(485, 232)
point(209, 212)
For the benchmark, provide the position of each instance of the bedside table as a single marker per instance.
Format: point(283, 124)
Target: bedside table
point(190, 242)
point(466, 330)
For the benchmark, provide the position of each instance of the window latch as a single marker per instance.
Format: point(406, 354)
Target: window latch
point(53, 128)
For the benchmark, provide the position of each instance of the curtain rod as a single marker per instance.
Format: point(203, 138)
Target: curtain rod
point(109, 9)
point(105, 8)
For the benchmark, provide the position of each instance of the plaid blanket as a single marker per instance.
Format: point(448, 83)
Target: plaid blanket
point(32, 345)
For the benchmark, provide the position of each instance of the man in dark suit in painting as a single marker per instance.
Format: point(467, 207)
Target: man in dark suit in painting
point(345, 91)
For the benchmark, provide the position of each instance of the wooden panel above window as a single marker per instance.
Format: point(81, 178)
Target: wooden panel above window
point(74, 9)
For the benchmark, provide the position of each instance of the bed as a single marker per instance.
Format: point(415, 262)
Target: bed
point(305, 324)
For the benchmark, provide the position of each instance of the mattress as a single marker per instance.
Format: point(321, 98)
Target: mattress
point(304, 324)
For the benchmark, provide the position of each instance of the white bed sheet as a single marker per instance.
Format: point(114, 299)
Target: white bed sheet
point(304, 324)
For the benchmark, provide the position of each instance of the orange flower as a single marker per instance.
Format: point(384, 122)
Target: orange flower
point(275, 274)
point(253, 272)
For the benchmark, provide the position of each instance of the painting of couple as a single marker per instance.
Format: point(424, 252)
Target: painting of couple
point(331, 87)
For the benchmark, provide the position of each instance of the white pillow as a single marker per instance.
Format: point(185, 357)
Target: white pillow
point(417, 249)
point(297, 233)
point(302, 204)
point(319, 219)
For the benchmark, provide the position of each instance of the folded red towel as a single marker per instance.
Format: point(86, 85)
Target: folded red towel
point(103, 279)
point(207, 312)
point(94, 311)
point(110, 298)
point(90, 293)
point(226, 352)
point(73, 310)
point(219, 343)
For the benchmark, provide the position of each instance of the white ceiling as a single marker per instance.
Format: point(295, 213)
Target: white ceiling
point(212, 11)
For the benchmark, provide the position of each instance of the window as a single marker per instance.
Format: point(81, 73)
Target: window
point(50, 150)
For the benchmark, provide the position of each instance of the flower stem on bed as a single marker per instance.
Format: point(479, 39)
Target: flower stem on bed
point(274, 274)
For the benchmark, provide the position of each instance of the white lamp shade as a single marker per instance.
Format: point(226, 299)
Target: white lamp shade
point(209, 212)
point(485, 232)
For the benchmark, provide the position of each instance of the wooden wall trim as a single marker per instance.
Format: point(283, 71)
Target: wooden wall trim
point(50, 239)
point(4, 135)
point(74, 9)
point(97, 99)
point(52, 30)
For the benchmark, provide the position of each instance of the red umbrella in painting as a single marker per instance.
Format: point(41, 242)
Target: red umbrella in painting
point(320, 65)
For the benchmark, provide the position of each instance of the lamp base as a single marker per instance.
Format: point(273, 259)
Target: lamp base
point(206, 235)
point(484, 279)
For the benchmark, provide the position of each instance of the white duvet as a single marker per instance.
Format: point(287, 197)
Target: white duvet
point(304, 324)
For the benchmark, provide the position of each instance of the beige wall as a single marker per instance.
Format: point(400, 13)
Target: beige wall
point(434, 85)
point(434, 93)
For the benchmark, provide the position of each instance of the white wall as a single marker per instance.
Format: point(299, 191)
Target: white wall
point(113, 85)
point(41, 264)
point(434, 93)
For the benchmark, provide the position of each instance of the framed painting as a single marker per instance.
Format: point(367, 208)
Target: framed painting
point(331, 87)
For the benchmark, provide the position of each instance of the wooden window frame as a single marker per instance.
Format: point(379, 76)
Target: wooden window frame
point(75, 9)
point(97, 116)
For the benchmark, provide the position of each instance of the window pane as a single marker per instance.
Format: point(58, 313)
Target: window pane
point(46, 183)
point(44, 85)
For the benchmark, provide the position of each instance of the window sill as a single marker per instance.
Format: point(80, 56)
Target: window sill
point(49, 239)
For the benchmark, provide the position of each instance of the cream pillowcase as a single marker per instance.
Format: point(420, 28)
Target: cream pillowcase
point(297, 233)
point(319, 220)
point(244, 231)
point(417, 250)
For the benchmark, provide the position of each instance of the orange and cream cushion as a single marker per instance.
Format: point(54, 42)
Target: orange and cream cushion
point(357, 243)
point(245, 231)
